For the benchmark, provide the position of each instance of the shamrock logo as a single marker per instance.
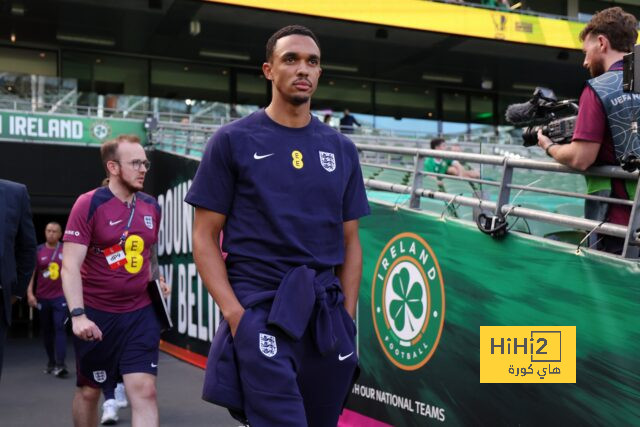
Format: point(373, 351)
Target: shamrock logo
point(410, 298)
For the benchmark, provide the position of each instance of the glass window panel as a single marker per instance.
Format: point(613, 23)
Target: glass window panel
point(106, 74)
point(336, 94)
point(481, 109)
point(251, 88)
point(405, 101)
point(195, 81)
point(454, 107)
point(28, 61)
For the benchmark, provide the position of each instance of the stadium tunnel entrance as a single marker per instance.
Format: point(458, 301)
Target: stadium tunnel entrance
point(55, 175)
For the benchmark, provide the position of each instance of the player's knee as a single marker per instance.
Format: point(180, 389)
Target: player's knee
point(88, 394)
point(148, 391)
point(145, 390)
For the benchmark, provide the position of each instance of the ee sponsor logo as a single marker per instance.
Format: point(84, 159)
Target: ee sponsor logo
point(133, 247)
point(54, 270)
point(297, 159)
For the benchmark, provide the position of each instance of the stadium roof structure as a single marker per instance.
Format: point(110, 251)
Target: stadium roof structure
point(444, 50)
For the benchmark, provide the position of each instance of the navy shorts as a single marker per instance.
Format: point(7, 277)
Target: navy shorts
point(287, 382)
point(130, 344)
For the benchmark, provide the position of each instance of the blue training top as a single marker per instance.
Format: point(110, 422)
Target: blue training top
point(285, 192)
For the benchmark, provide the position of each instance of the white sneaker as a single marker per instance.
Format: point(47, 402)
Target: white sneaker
point(121, 396)
point(109, 412)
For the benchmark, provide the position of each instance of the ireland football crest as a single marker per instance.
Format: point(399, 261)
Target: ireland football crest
point(408, 301)
point(268, 345)
point(328, 161)
point(101, 130)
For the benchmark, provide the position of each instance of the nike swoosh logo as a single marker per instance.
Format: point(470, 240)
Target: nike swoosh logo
point(341, 357)
point(154, 365)
point(115, 222)
point(264, 156)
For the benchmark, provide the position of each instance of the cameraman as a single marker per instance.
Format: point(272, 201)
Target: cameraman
point(609, 35)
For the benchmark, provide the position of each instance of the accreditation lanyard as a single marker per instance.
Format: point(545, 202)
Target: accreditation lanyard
point(125, 233)
point(55, 252)
point(114, 255)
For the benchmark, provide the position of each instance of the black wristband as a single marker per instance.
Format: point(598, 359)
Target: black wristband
point(76, 312)
point(548, 147)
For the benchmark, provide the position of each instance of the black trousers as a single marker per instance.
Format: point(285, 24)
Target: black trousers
point(3, 331)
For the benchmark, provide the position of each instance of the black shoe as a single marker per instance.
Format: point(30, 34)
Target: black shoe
point(49, 369)
point(60, 371)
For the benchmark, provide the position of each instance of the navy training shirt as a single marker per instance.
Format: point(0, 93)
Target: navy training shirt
point(285, 192)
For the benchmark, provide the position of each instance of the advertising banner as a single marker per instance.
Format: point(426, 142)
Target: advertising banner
point(195, 317)
point(41, 127)
point(437, 17)
point(430, 284)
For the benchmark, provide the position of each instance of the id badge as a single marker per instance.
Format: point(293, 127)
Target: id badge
point(115, 257)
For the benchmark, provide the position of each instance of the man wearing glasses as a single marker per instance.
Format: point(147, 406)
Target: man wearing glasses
point(106, 268)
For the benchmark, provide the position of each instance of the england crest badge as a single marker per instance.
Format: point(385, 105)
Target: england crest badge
point(328, 161)
point(100, 376)
point(268, 345)
point(148, 221)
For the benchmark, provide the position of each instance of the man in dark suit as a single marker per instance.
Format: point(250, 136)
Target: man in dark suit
point(17, 250)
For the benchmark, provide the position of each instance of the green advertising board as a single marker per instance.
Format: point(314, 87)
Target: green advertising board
point(40, 127)
point(470, 280)
point(429, 283)
point(194, 314)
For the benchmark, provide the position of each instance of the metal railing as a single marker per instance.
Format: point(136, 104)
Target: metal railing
point(133, 111)
point(142, 107)
point(503, 206)
point(189, 140)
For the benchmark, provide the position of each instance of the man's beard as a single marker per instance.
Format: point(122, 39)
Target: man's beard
point(132, 188)
point(299, 100)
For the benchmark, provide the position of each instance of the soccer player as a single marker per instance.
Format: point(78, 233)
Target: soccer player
point(288, 191)
point(49, 299)
point(105, 272)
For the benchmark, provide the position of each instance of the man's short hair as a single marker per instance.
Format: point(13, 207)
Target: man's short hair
point(436, 142)
point(618, 26)
point(109, 149)
point(53, 223)
point(288, 31)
